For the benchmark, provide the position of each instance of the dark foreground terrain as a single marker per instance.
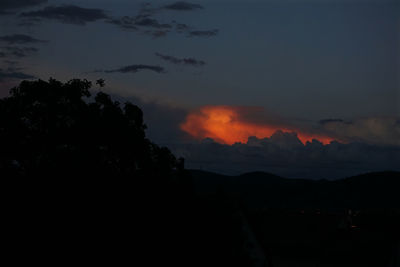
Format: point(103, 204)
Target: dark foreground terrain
point(349, 222)
point(152, 223)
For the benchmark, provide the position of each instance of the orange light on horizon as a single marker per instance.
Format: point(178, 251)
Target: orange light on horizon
point(225, 125)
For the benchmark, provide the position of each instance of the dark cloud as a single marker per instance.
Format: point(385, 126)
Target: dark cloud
point(10, 62)
point(207, 33)
point(181, 61)
point(20, 39)
point(373, 130)
point(15, 51)
point(149, 22)
point(125, 22)
point(134, 23)
point(27, 23)
point(180, 27)
point(183, 6)
point(283, 154)
point(137, 68)
point(9, 5)
point(68, 14)
point(330, 120)
point(145, 19)
point(146, 10)
point(158, 33)
point(13, 74)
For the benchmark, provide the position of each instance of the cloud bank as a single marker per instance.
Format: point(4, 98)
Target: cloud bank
point(373, 130)
point(284, 154)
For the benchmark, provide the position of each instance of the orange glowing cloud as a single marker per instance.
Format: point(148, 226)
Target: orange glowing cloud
point(226, 125)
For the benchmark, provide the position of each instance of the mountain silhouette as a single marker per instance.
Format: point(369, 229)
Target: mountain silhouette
point(259, 189)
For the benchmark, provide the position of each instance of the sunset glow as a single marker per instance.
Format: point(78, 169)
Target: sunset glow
point(224, 124)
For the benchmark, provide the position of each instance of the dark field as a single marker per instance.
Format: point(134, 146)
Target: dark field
point(319, 239)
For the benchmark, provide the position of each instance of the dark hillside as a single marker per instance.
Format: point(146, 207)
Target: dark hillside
point(373, 190)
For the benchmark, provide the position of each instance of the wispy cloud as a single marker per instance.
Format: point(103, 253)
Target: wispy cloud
point(146, 20)
point(70, 14)
point(137, 22)
point(183, 6)
point(181, 61)
point(15, 51)
point(14, 74)
point(20, 39)
point(135, 69)
point(206, 33)
point(125, 22)
point(10, 5)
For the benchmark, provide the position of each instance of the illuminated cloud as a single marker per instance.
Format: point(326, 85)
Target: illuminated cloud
point(234, 140)
point(229, 125)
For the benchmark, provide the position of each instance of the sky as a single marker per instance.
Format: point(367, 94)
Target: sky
point(230, 78)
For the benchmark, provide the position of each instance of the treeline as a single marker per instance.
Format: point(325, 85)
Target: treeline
point(58, 129)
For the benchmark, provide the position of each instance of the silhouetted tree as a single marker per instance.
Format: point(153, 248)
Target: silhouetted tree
point(54, 128)
point(101, 82)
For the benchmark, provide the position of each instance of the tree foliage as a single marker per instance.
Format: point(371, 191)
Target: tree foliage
point(54, 128)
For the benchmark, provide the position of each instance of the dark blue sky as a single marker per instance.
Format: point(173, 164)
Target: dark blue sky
point(306, 59)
